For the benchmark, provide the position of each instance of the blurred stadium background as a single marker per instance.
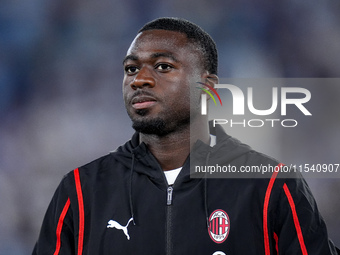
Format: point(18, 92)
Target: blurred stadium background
point(60, 88)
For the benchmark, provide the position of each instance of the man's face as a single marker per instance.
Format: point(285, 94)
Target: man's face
point(160, 69)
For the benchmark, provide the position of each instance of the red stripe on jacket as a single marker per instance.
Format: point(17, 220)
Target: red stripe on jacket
point(60, 226)
point(265, 209)
point(296, 220)
point(81, 211)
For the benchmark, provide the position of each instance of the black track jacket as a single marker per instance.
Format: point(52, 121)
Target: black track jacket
point(121, 204)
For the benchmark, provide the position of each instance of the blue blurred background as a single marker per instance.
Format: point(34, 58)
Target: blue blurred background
point(61, 76)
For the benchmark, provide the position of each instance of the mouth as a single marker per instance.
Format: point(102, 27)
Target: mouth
point(143, 102)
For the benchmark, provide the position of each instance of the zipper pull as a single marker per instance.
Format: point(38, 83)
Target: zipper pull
point(169, 196)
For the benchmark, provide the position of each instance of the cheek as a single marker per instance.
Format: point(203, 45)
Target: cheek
point(125, 83)
point(186, 91)
point(181, 98)
point(125, 87)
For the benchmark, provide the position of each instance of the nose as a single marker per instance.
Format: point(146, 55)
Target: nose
point(143, 79)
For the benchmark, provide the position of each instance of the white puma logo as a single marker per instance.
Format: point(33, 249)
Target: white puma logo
point(115, 224)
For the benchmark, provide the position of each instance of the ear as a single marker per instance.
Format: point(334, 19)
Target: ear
point(211, 79)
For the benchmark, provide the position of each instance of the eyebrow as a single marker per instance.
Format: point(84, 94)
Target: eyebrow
point(130, 57)
point(153, 56)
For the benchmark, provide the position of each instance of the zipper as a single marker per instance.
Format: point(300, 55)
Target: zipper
point(169, 195)
point(170, 190)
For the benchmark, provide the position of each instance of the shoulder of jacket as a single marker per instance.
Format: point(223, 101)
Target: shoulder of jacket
point(90, 169)
point(254, 156)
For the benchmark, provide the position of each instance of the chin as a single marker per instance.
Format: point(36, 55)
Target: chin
point(156, 126)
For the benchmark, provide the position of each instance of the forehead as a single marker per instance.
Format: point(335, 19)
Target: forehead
point(152, 41)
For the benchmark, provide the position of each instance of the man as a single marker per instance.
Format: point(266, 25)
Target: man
point(140, 199)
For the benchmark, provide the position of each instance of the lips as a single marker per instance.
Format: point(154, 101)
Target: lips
point(143, 101)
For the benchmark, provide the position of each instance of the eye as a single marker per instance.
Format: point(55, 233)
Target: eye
point(131, 69)
point(163, 67)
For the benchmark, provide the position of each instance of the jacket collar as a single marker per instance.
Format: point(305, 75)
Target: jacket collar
point(225, 150)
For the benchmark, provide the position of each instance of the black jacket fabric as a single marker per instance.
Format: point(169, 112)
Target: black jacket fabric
point(121, 204)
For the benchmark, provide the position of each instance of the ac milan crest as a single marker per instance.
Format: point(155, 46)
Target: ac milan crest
point(219, 226)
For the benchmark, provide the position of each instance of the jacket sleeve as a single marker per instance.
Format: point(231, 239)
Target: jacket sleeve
point(300, 228)
point(56, 234)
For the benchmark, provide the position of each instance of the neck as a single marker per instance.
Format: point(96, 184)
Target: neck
point(172, 150)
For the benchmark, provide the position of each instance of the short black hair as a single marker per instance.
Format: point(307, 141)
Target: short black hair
point(194, 33)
